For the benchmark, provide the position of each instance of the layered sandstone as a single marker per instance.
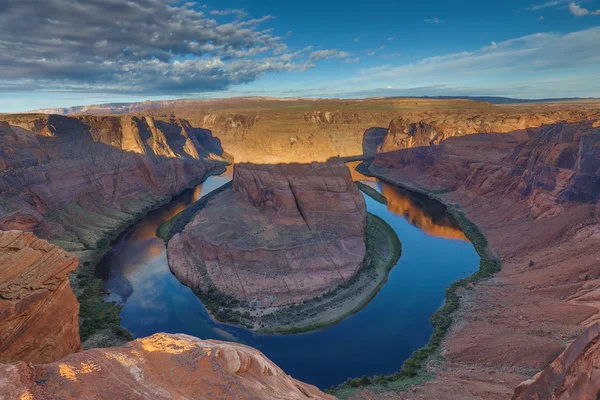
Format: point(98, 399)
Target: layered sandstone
point(76, 180)
point(534, 194)
point(38, 311)
point(573, 375)
point(161, 366)
point(303, 130)
point(284, 234)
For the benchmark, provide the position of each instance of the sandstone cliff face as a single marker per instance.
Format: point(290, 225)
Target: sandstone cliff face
point(405, 132)
point(38, 311)
point(157, 367)
point(545, 167)
point(76, 179)
point(282, 235)
point(573, 375)
point(263, 130)
point(532, 193)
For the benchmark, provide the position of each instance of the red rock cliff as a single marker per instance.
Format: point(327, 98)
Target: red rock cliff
point(76, 180)
point(38, 311)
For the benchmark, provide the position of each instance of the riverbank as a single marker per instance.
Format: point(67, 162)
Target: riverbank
point(413, 371)
point(99, 321)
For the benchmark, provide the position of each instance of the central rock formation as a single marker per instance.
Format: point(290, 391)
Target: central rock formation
point(284, 234)
point(158, 367)
point(38, 311)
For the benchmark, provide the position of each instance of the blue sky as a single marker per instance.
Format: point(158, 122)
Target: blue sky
point(88, 51)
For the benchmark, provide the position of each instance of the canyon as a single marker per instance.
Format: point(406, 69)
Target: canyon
point(527, 176)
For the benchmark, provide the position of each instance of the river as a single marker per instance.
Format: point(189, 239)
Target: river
point(374, 341)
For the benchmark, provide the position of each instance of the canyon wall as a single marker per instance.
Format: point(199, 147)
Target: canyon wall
point(161, 366)
point(76, 180)
point(284, 234)
point(38, 311)
point(573, 375)
point(534, 194)
point(271, 131)
point(264, 130)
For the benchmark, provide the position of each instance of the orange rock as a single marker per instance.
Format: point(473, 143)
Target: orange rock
point(158, 367)
point(38, 311)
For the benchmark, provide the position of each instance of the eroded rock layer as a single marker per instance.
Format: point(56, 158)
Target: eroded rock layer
point(38, 311)
point(534, 194)
point(307, 130)
point(158, 367)
point(75, 180)
point(282, 235)
point(573, 375)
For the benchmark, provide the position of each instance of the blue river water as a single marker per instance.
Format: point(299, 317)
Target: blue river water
point(376, 340)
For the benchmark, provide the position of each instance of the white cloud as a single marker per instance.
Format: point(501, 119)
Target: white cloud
point(239, 13)
point(552, 3)
point(597, 12)
point(351, 60)
point(435, 20)
point(561, 64)
point(324, 54)
point(541, 18)
point(391, 38)
point(148, 47)
point(578, 11)
point(492, 46)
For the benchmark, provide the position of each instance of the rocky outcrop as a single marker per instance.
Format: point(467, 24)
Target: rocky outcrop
point(161, 366)
point(573, 375)
point(76, 180)
point(38, 311)
point(532, 193)
point(284, 234)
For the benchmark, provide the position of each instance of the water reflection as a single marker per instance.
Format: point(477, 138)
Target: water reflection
point(427, 215)
point(139, 247)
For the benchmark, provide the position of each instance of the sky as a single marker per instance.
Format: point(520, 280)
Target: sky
point(60, 53)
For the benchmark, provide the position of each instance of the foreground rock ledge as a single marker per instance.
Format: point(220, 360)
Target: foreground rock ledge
point(38, 311)
point(161, 366)
point(283, 235)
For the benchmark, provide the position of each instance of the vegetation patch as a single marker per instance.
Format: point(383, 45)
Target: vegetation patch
point(413, 371)
point(372, 193)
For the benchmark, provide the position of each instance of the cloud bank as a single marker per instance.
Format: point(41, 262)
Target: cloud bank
point(146, 46)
